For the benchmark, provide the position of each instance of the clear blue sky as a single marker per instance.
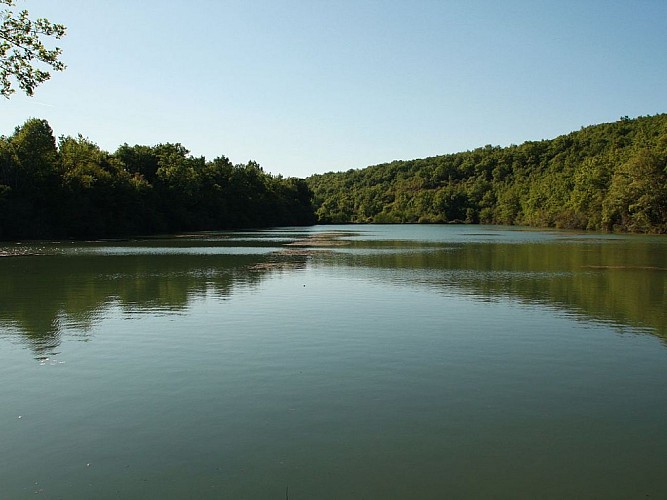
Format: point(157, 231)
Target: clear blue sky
point(312, 86)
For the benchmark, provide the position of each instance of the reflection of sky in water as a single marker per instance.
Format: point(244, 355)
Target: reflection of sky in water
point(174, 251)
point(467, 233)
point(431, 234)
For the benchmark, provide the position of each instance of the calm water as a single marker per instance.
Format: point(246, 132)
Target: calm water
point(336, 362)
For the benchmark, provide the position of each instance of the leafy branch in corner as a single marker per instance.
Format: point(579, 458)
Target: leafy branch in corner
point(23, 55)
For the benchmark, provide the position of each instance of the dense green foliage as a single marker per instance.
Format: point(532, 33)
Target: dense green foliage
point(73, 189)
point(604, 177)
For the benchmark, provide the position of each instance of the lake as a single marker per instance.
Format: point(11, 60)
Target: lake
point(336, 362)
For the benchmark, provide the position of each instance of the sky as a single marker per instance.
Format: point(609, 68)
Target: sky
point(312, 86)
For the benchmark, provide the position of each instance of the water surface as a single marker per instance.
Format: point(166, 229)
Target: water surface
point(336, 362)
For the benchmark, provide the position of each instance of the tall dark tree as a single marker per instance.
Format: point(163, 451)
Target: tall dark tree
point(31, 172)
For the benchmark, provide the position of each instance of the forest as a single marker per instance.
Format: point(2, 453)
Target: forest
point(609, 177)
point(71, 188)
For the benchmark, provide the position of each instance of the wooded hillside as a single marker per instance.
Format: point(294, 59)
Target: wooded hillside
point(611, 176)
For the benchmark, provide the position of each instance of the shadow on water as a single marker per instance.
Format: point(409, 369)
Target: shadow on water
point(618, 281)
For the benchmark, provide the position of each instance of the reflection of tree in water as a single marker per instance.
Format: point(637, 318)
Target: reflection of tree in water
point(620, 282)
point(42, 296)
point(623, 283)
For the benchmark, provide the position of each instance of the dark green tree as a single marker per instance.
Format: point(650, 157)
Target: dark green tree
point(142, 160)
point(30, 170)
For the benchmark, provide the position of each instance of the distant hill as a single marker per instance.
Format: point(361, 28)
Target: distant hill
point(611, 176)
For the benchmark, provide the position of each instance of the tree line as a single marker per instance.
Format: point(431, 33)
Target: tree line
point(610, 177)
point(71, 188)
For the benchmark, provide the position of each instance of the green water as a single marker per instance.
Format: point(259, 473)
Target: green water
point(360, 362)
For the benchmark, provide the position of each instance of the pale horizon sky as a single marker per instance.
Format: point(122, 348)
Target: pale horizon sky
point(306, 87)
